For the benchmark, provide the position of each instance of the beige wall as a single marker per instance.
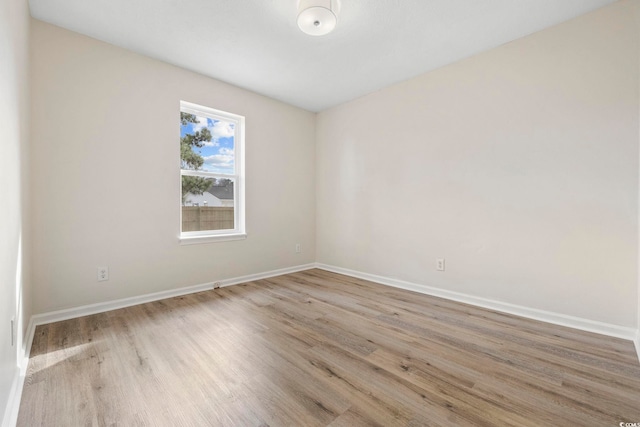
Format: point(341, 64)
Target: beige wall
point(14, 47)
point(106, 175)
point(519, 166)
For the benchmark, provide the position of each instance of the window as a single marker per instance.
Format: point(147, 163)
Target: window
point(211, 174)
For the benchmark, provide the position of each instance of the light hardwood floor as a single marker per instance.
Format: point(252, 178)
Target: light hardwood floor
point(317, 349)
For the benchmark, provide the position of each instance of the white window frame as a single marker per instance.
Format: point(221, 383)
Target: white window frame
point(206, 236)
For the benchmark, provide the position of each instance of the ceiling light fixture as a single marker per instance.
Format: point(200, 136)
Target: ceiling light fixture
point(318, 17)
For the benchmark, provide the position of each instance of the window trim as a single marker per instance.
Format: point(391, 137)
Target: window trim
point(237, 233)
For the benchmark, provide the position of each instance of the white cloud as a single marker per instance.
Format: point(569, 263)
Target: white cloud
point(219, 160)
point(218, 130)
point(222, 130)
point(201, 124)
point(223, 160)
point(212, 143)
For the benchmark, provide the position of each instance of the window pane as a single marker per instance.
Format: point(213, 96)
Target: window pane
point(207, 204)
point(207, 144)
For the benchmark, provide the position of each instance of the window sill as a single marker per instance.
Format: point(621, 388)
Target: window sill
point(196, 240)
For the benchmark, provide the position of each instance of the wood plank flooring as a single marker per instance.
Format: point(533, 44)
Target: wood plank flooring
point(321, 349)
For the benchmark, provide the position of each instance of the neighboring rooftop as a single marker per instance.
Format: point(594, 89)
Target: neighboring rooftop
point(222, 192)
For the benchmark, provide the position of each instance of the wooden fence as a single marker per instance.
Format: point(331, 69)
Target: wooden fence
point(198, 218)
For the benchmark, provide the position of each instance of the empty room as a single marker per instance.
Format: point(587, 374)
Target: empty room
point(320, 213)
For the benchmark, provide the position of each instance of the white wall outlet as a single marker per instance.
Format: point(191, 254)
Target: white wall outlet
point(13, 331)
point(440, 264)
point(298, 250)
point(103, 274)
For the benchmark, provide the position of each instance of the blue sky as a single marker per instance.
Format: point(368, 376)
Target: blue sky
point(219, 153)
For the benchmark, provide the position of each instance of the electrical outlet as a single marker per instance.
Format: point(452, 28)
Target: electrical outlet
point(298, 250)
point(103, 274)
point(440, 264)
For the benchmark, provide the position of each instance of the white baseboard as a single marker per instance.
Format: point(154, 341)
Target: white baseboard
point(101, 307)
point(266, 275)
point(13, 404)
point(531, 313)
point(11, 414)
point(86, 310)
point(24, 362)
point(545, 316)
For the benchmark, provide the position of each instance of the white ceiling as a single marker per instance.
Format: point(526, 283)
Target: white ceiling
point(256, 44)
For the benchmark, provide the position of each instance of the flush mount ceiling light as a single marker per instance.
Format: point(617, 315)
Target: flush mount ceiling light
point(318, 17)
